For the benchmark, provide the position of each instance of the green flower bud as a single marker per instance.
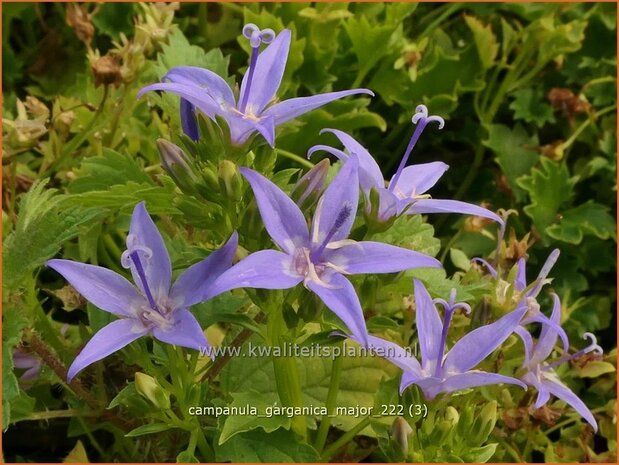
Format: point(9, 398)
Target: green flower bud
point(149, 388)
point(230, 181)
point(378, 217)
point(176, 163)
point(311, 186)
point(400, 432)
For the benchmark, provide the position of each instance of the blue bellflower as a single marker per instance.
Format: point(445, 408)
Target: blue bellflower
point(540, 373)
point(319, 256)
point(256, 110)
point(153, 305)
point(406, 192)
point(452, 371)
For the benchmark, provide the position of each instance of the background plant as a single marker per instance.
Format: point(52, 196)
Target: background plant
point(529, 98)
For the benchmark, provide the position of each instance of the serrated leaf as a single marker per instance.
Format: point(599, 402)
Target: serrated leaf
point(485, 41)
point(257, 446)
point(109, 169)
point(514, 153)
point(530, 105)
point(589, 218)
point(549, 187)
point(45, 221)
point(411, 232)
point(370, 42)
point(235, 424)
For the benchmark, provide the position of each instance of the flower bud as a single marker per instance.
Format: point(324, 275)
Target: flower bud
point(230, 181)
point(308, 189)
point(484, 424)
point(175, 162)
point(63, 122)
point(452, 415)
point(36, 108)
point(400, 431)
point(149, 388)
point(381, 210)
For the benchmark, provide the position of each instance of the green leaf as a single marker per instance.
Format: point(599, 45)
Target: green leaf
point(590, 218)
point(459, 259)
point(530, 105)
point(109, 169)
point(114, 18)
point(485, 41)
point(596, 368)
point(360, 380)
point(258, 447)
point(549, 187)
point(480, 454)
point(514, 153)
point(235, 424)
point(411, 232)
point(148, 429)
point(44, 223)
point(370, 42)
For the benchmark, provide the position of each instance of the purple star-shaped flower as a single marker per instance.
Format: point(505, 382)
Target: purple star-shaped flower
point(406, 193)
point(318, 257)
point(541, 374)
point(439, 372)
point(153, 305)
point(255, 110)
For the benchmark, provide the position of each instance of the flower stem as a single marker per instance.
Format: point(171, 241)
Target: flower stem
point(295, 157)
point(286, 372)
point(344, 439)
point(334, 386)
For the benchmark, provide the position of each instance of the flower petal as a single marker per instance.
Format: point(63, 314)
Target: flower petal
point(193, 284)
point(376, 257)
point(291, 108)
point(266, 269)
point(107, 340)
point(476, 378)
point(157, 267)
point(481, 342)
point(270, 67)
point(104, 288)
point(395, 354)
point(422, 206)
point(340, 297)
point(186, 332)
point(429, 324)
point(548, 335)
point(521, 276)
point(369, 172)
point(564, 393)
point(341, 195)
point(207, 81)
point(193, 95)
point(282, 217)
point(418, 179)
point(188, 120)
point(527, 341)
point(543, 274)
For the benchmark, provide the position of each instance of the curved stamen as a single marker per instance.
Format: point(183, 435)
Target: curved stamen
point(421, 119)
point(450, 308)
point(342, 216)
point(256, 37)
point(488, 266)
point(592, 347)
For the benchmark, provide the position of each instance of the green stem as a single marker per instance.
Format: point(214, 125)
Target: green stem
point(286, 372)
point(295, 157)
point(345, 439)
point(584, 125)
point(51, 414)
point(449, 10)
point(334, 386)
point(472, 172)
